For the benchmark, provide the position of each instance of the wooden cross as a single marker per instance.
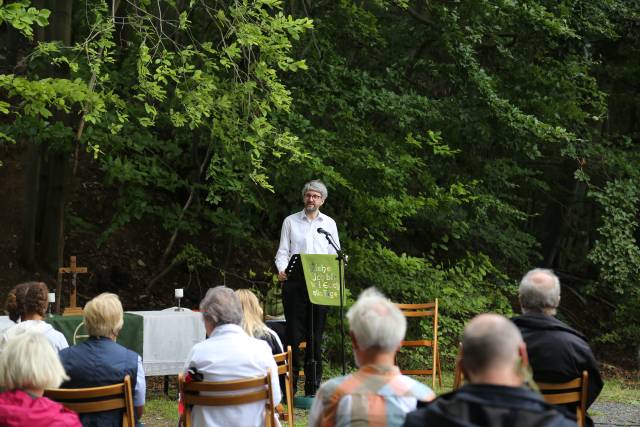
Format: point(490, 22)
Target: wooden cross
point(75, 270)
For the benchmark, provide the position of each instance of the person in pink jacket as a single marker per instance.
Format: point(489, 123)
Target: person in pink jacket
point(28, 366)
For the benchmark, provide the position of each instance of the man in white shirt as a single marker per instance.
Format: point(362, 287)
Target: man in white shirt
point(300, 235)
point(229, 354)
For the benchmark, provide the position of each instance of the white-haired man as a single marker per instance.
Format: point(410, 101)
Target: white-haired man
point(229, 354)
point(557, 352)
point(493, 357)
point(300, 235)
point(377, 394)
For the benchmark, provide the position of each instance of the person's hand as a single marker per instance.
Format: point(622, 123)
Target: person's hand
point(282, 276)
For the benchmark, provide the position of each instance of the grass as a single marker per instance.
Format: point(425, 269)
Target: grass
point(162, 411)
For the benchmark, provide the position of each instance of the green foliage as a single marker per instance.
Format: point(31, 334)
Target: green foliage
point(459, 140)
point(616, 252)
point(20, 16)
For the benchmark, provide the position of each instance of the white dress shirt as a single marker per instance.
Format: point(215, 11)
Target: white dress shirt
point(230, 354)
point(56, 338)
point(300, 235)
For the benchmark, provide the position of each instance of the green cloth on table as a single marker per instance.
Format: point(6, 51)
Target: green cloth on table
point(131, 336)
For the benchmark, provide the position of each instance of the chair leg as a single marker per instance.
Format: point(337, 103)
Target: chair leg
point(439, 368)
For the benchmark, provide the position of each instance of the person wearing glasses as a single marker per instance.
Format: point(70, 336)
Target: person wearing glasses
point(300, 235)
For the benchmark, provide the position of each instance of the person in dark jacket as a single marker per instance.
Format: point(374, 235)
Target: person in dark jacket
point(101, 361)
point(493, 357)
point(557, 352)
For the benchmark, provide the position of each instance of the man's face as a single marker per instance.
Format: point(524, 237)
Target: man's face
point(312, 201)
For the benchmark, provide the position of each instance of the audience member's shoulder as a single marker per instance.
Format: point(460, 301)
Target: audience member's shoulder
point(404, 385)
point(328, 388)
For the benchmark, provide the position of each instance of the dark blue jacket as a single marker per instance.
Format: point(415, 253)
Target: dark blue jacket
point(98, 362)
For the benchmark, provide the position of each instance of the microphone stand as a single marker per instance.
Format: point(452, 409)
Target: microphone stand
point(341, 257)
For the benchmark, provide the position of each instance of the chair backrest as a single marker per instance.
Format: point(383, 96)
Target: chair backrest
point(427, 310)
point(236, 392)
point(574, 391)
point(97, 399)
point(285, 367)
point(458, 375)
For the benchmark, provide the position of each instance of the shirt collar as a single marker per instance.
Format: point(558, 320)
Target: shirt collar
point(303, 217)
point(380, 370)
point(228, 328)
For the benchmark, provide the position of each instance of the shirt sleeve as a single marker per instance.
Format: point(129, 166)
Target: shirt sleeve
point(282, 256)
point(334, 234)
point(141, 385)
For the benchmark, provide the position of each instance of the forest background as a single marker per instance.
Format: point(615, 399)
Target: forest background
point(463, 143)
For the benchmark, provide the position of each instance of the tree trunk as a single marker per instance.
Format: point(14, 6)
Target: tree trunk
point(47, 171)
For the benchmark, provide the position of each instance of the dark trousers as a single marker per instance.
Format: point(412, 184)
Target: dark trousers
point(298, 311)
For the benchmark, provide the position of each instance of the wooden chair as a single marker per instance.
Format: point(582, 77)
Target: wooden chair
point(244, 391)
point(458, 375)
point(285, 367)
point(97, 399)
point(574, 391)
point(428, 310)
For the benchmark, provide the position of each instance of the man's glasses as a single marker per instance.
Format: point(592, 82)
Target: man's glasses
point(313, 196)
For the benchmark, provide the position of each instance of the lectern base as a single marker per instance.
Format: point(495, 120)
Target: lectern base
point(303, 402)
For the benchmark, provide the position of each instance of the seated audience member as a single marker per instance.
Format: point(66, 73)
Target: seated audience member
point(28, 366)
point(557, 353)
point(377, 393)
point(229, 354)
point(101, 361)
point(493, 357)
point(252, 322)
point(27, 304)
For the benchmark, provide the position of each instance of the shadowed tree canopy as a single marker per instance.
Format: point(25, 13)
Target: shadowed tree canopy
point(462, 142)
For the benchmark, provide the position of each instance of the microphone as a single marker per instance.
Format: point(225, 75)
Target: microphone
point(323, 231)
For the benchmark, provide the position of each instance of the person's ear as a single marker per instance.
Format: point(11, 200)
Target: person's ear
point(354, 342)
point(522, 352)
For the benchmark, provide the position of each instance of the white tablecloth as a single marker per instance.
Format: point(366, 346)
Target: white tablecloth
point(168, 338)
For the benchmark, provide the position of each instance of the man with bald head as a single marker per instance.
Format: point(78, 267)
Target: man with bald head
point(493, 356)
point(557, 353)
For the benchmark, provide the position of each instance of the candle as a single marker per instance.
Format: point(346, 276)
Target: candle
point(179, 293)
point(52, 297)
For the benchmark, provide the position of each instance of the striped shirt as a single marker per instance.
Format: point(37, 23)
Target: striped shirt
point(373, 396)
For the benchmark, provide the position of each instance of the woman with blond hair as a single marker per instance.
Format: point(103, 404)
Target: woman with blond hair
point(101, 361)
point(27, 305)
point(252, 322)
point(28, 366)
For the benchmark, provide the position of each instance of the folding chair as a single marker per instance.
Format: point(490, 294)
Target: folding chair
point(245, 391)
point(574, 391)
point(285, 367)
point(97, 399)
point(428, 310)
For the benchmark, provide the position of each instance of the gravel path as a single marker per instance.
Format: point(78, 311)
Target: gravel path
point(615, 414)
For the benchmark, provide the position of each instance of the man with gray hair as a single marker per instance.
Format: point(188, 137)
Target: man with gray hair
point(301, 234)
point(377, 393)
point(557, 352)
point(493, 358)
point(229, 353)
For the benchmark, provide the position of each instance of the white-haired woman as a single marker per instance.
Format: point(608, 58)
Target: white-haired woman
point(252, 322)
point(28, 366)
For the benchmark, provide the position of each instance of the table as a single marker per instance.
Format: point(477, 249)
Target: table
point(169, 336)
